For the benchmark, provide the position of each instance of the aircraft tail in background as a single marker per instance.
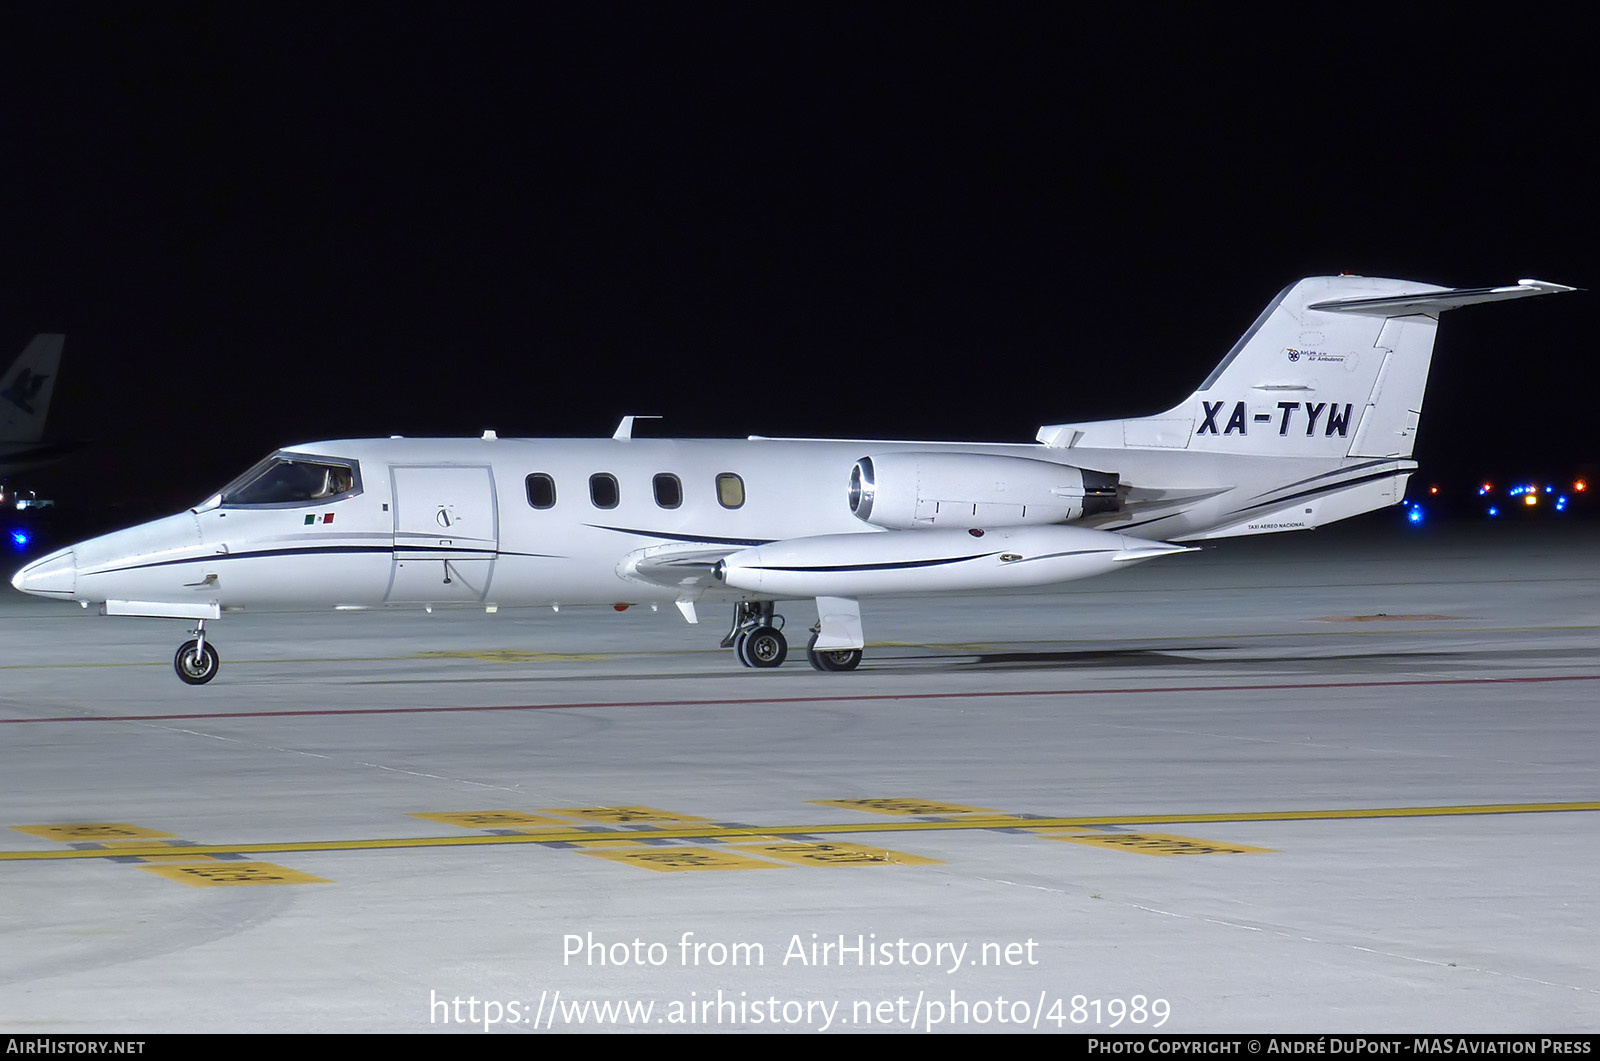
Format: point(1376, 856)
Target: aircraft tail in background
point(26, 387)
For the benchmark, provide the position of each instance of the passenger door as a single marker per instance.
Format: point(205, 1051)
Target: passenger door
point(446, 533)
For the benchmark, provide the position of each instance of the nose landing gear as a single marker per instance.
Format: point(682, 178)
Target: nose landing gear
point(196, 661)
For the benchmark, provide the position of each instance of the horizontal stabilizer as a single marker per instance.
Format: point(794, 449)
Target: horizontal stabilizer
point(1437, 301)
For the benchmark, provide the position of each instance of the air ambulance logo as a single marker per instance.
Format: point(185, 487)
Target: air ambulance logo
point(1315, 355)
point(25, 390)
point(313, 518)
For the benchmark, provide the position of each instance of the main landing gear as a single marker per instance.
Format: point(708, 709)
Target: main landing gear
point(196, 661)
point(756, 636)
point(757, 640)
point(835, 660)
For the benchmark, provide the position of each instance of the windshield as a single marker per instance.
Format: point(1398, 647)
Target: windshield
point(292, 479)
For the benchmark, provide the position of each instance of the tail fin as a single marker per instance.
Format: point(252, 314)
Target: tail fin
point(26, 387)
point(1335, 366)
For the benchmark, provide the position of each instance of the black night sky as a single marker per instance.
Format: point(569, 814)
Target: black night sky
point(270, 223)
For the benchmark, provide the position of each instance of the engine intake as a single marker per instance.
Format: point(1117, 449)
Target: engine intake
point(906, 491)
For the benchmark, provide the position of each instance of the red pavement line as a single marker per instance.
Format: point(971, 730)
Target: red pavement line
point(846, 699)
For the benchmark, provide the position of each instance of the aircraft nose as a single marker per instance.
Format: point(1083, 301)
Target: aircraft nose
point(55, 575)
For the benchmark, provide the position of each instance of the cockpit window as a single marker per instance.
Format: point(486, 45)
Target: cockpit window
point(290, 479)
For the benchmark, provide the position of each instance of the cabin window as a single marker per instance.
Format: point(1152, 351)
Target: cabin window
point(541, 490)
point(603, 490)
point(730, 490)
point(290, 479)
point(669, 491)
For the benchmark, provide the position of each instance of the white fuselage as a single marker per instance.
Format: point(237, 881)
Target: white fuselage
point(440, 521)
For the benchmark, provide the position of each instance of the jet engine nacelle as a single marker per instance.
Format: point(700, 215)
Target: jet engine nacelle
point(907, 491)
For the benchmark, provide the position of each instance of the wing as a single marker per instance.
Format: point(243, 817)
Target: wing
point(684, 566)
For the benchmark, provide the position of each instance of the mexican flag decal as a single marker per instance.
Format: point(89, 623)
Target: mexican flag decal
point(326, 517)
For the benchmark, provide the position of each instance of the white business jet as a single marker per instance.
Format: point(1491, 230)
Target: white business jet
point(1310, 418)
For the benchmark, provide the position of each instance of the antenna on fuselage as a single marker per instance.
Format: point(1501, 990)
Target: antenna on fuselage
point(625, 428)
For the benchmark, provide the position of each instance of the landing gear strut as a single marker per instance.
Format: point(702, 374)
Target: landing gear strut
point(196, 661)
point(838, 630)
point(756, 636)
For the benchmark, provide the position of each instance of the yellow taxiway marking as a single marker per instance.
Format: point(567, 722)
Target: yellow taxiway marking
point(226, 874)
point(619, 815)
point(495, 819)
point(725, 832)
point(821, 853)
point(178, 854)
point(134, 842)
point(910, 807)
point(80, 831)
point(1156, 843)
point(683, 859)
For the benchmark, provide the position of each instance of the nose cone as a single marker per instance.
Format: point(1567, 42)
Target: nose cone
point(55, 575)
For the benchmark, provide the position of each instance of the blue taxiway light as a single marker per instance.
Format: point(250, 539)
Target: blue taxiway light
point(20, 538)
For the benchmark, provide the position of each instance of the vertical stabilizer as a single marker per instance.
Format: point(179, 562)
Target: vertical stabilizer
point(1335, 366)
point(26, 387)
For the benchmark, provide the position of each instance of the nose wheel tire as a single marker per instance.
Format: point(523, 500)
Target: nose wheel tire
point(762, 647)
point(841, 659)
point(194, 664)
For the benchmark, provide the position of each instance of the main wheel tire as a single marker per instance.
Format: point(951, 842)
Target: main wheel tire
point(836, 660)
point(196, 667)
point(763, 647)
point(738, 650)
